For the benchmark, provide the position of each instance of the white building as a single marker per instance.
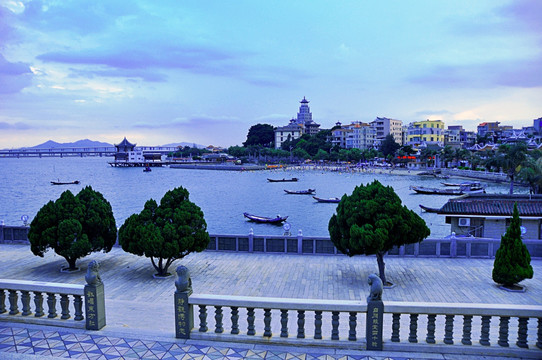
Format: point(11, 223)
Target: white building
point(384, 126)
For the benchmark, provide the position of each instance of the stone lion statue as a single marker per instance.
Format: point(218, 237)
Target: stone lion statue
point(376, 288)
point(183, 282)
point(93, 277)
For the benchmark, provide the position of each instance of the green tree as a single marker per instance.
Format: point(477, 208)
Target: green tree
point(166, 232)
point(512, 260)
point(389, 146)
point(372, 221)
point(531, 173)
point(74, 226)
point(261, 134)
point(511, 158)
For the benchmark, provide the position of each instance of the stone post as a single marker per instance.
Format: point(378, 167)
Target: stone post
point(300, 242)
point(184, 317)
point(375, 314)
point(251, 240)
point(453, 246)
point(94, 298)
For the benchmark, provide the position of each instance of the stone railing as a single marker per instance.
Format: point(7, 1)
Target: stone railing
point(373, 325)
point(22, 293)
point(470, 247)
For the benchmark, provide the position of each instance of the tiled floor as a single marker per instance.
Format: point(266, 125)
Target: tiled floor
point(69, 344)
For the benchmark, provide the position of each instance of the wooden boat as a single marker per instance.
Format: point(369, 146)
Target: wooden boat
point(65, 183)
point(469, 185)
point(300, 192)
point(147, 169)
point(265, 220)
point(436, 191)
point(282, 180)
point(328, 200)
point(428, 209)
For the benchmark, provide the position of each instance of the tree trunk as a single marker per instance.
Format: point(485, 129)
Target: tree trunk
point(71, 263)
point(511, 184)
point(381, 266)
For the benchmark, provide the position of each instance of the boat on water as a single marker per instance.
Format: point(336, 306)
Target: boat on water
point(301, 192)
point(448, 191)
point(265, 220)
point(282, 180)
point(429, 209)
point(470, 185)
point(147, 169)
point(65, 182)
point(327, 200)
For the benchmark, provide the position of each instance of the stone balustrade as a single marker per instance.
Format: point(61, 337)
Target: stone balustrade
point(466, 328)
point(37, 302)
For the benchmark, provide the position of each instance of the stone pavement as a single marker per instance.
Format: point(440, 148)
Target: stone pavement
point(139, 306)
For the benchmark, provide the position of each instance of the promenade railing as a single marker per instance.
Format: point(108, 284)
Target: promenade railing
point(37, 302)
point(462, 247)
point(464, 328)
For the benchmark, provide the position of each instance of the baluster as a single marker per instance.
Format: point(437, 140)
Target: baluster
point(78, 306)
point(283, 323)
point(234, 320)
point(250, 320)
point(51, 302)
point(352, 325)
point(2, 301)
point(467, 327)
point(522, 332)
point(300, 324)
point(25, 299)
point(267, 322)
point(503, 331)
point(317, 324)
point(13, 297)
point(539, 337)
point(65, 306)
point(484, 336)
point(430, 339)
point(202, 318)
point(334, 325)
point(38, 302)
point(395, 325)
point(449, 329)
point(218, 320)
point(413, 337)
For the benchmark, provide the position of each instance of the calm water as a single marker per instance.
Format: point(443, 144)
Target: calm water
point(222, 195)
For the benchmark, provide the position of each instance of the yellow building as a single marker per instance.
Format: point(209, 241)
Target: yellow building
point(427, 131)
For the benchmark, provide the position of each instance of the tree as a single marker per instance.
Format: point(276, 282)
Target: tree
point(74, 226)
point(389, 146)
point(512, 260)
point(532, 175)
point(261, 134)
point(511, 158)
point(372, 221)
point(166, 232)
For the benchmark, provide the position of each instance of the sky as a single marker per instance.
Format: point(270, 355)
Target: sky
point(161, 72)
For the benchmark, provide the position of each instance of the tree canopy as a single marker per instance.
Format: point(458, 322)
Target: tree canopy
point(74, 226)
point(261, 134)
point(165, 232)
point(512, 260)
point(389, 146)
point(372, 221)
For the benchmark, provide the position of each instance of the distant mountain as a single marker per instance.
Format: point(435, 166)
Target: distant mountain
point(183, 144)
point(50, 144)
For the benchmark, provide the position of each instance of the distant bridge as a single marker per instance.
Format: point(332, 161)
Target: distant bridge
point(81, 151)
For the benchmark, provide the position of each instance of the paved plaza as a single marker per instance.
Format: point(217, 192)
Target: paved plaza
point(140, 307)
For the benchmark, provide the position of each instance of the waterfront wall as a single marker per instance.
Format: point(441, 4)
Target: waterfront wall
point(463, 247)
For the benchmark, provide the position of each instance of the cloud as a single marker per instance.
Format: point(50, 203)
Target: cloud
point(197, 121)
point(14, 126)
point(13, 76)
point(527, 13)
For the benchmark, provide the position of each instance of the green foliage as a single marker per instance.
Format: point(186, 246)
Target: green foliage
point(389, 146)
point(372, 221)
point(74, 226)
point(166, 232)
point(512, 260)
point(260, 134)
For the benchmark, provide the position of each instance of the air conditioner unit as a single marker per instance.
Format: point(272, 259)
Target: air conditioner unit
point(464, 222)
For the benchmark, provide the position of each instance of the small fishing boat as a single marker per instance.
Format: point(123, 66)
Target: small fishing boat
point(429, 209)
point(282, 180)
point(147, 169)
point(469, 185)
point(328, 200)
point(65, 182)
point(300, 192)
point(449, 191)
point(265, 220)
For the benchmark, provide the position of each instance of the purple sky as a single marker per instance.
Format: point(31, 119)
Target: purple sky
point(205, 71)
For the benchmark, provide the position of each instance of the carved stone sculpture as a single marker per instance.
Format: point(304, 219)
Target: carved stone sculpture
point(183, 282)
point(376, 288)
point(93, 277)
